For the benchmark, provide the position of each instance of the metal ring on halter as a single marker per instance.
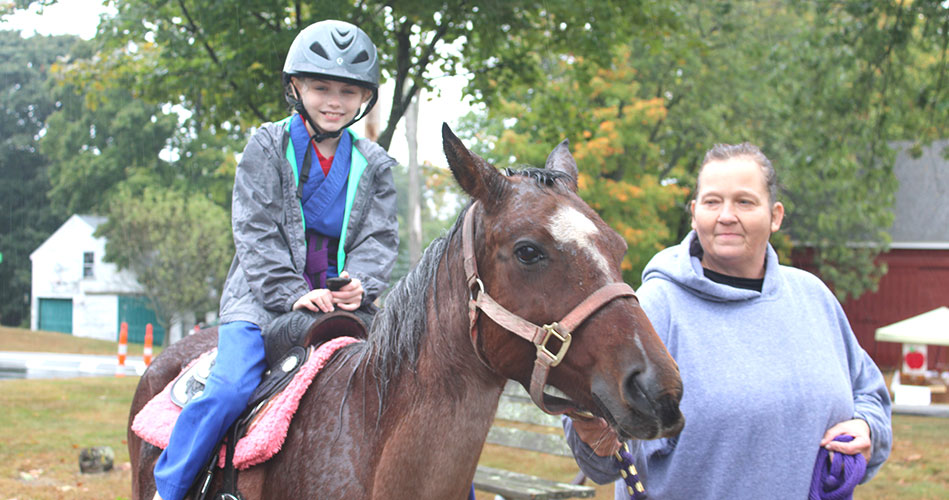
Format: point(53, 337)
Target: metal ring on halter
point(471, 294)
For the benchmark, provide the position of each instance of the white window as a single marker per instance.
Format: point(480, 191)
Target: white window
point(87, 263)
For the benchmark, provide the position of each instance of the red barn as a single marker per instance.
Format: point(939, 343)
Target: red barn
point(918, 260)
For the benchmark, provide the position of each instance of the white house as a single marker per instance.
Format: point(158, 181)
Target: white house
point(74, 291)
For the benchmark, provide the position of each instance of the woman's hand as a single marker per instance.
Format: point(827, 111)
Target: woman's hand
point(349, 297)
point(858, 428)
point(597, 434)
point(317, 300)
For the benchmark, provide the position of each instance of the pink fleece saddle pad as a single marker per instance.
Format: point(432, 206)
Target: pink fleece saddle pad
point(268, 430)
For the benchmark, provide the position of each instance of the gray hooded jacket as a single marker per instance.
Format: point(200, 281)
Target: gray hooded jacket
point(266, 275)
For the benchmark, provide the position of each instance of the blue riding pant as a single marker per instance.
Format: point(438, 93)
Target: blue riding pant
point(205, 419)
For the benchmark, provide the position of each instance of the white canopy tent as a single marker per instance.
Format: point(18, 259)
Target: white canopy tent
point(928, 328)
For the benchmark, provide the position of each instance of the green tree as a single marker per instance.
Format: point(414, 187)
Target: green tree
point(814, 84)
point(26, 219)
point(163, 184)
point(179, 246)
point(222, 60)
point(102, 136)
point(441, 201)
point(596, 109)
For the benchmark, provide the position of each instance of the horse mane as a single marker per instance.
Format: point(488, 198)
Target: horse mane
point(399, 327)
point(544, 177)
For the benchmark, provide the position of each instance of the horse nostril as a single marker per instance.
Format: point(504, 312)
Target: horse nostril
point(634, 391)
point(644, 392)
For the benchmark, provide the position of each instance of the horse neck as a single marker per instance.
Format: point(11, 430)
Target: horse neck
point(448, 372)
point(445, 405)
point(447, 352)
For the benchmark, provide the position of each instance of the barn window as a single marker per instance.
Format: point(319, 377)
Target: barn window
point(87, 260)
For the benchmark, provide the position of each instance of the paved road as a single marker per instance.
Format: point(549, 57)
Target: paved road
point(16, 364)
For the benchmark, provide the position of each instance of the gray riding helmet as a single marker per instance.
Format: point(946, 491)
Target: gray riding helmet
point(334, 49)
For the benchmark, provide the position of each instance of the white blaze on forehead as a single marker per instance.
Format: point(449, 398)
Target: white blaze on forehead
point(569, 226)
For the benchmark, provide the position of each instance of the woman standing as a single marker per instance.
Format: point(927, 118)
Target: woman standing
point(770, 366)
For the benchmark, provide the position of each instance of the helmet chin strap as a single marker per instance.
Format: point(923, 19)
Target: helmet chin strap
point(320, 136)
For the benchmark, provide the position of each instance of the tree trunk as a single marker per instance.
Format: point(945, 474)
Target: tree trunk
point(372, 124)
point(415, 216)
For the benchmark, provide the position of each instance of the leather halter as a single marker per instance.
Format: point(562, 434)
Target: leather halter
point(537, 335)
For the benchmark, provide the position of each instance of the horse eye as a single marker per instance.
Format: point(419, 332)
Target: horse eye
point(528, 254)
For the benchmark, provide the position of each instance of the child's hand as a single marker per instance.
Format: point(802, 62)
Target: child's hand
point(317, 300)
point(349, 297)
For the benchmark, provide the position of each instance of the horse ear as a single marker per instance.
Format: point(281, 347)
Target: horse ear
point(561, 160)
point(476, 176)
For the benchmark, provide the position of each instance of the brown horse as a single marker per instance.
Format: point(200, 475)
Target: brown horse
point(405, 414)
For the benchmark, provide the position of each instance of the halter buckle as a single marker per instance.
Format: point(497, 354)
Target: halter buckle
point(565, 338)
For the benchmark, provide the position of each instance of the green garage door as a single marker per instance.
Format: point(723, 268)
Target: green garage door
point(55, 315)
point(134, 310)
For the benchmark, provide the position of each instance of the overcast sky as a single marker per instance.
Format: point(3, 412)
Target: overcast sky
point(73, 17)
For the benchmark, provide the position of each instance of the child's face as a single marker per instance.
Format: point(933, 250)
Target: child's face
point(330, 103)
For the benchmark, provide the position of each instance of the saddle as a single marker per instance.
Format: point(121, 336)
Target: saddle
point(286, 346)
point(288, 342)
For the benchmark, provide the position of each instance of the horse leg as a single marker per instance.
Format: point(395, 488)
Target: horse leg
point(163, 370)
point(143, 481)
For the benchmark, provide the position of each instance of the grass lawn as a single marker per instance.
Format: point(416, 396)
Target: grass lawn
point(19, 339)
point(45, 423)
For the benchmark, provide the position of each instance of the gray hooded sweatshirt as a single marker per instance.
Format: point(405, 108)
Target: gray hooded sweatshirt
point(764, 375)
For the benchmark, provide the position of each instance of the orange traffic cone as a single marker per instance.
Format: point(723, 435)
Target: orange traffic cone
point(123, 349)
point(147, 352)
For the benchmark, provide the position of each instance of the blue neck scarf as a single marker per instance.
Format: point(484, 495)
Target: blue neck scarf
point(324, 197)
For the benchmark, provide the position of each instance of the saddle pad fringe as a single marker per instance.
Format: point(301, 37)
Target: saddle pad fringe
point(264, 439)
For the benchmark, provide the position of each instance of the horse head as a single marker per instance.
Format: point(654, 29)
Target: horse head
point(540, 254)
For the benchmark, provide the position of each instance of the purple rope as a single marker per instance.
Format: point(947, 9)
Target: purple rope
point(835, 478)
point(633, 485)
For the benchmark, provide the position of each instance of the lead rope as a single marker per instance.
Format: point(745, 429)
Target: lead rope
point(633, 485)
point(836, 475)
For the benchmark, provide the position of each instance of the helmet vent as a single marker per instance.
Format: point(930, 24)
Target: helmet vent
point(362, 56)
point(343, 39)
point(318, 49)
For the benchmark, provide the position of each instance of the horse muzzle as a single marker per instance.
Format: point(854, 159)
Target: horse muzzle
point(644, 406)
